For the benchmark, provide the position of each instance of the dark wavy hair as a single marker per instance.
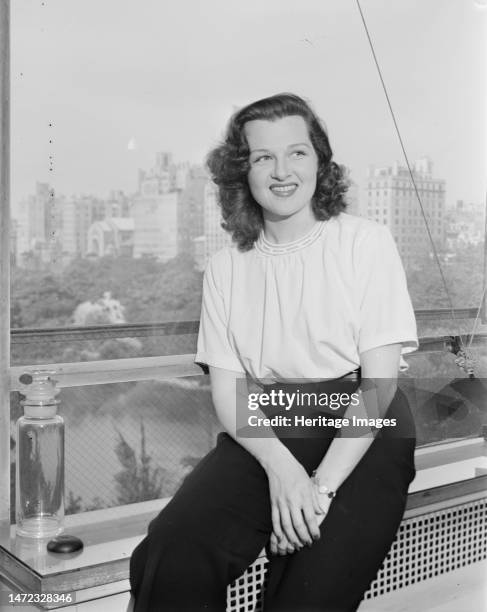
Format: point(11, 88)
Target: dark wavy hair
point(229, 166)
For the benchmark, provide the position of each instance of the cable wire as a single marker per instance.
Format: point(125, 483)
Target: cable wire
point(435, 253)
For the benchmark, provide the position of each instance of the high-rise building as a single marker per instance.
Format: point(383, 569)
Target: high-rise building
point(31, 219)
point(118, 204)
point(214, 237)
point(391, 199)
point(39, 227)
point(155, 210)
point(78, 214)
point(191, 210)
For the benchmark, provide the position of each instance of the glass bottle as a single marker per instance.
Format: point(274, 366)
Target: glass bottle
point(40, 459)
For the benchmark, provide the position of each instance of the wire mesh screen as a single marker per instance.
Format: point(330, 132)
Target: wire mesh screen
point(425, 546)
point(247, 593)
point(131, 442)
point(432, 544)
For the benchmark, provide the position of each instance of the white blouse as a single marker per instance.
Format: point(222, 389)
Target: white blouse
point(306, 309)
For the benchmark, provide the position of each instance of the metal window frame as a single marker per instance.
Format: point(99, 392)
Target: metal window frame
point(162, 367)
point(4, 267)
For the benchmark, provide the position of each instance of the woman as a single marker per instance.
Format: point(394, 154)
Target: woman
point(307, 297)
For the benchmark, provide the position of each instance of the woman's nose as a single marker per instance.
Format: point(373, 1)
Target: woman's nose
point(281, 168)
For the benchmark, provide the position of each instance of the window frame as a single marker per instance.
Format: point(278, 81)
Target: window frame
point(4, 264)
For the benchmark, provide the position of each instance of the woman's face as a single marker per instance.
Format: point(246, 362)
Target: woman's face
point(283, 166)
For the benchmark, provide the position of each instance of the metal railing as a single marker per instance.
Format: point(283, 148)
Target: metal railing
point(173, 328)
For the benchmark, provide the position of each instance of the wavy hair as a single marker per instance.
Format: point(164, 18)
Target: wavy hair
point(229, 166)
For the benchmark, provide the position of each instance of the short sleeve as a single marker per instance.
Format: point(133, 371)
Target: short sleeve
point(214, 347)
point(386, 314)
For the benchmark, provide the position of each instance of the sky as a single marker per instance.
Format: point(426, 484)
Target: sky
point(99, 86)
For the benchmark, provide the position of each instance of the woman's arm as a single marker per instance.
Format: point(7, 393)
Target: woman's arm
point(382, 365)
point(293, 497)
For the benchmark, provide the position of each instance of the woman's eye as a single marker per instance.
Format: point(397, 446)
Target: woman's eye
point(261, 158)
point(299, 153)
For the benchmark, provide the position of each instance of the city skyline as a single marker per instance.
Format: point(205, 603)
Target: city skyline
point(152, 80)
point(175, 211)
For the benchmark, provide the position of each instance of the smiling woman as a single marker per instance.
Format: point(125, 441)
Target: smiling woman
point(308, 295)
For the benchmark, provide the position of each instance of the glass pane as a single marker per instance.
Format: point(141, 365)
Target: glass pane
point(131, 442)
point(109, 191)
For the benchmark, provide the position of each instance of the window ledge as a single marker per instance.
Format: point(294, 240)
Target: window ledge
point(101, 569)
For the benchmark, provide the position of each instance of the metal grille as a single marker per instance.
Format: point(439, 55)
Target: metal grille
point(246, 593)
point(425, 546)
point(432, 544)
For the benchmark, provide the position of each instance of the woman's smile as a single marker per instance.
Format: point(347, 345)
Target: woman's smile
point(284, 191)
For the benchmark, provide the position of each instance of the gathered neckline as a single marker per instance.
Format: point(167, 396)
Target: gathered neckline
point(271, 248)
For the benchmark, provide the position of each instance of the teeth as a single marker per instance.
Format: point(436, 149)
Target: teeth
point(284, 189)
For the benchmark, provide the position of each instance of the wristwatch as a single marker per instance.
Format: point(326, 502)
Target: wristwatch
point(323, 489)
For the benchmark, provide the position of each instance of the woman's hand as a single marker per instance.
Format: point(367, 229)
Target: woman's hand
point(282, 546)
point(295, 505)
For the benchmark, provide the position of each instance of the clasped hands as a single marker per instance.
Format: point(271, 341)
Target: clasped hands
point(298, 509)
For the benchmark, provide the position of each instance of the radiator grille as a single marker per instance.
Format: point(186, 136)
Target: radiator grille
point(431, 544)
point(425, 546)
point(246, 593)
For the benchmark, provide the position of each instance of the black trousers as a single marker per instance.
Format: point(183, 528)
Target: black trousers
point(219, 520)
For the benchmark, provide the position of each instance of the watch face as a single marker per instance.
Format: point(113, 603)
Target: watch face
point(326, 491)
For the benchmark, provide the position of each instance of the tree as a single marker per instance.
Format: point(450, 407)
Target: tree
point(145, 289)
point(138, 481)
point(73, 504)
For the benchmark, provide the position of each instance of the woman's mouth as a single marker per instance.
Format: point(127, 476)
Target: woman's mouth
point(283, 191)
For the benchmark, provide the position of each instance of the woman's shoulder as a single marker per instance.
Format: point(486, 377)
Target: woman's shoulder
point(354, 229)
point(358, 239)
point(355, 224)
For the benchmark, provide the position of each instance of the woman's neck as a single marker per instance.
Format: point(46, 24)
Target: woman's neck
point(281, 230)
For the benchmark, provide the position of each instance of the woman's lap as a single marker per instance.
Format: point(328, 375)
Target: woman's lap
point(224, 506)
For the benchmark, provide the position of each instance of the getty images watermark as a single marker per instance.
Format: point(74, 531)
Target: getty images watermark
point(378, 407)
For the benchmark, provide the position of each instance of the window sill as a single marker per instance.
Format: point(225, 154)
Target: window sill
point(101, 569)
